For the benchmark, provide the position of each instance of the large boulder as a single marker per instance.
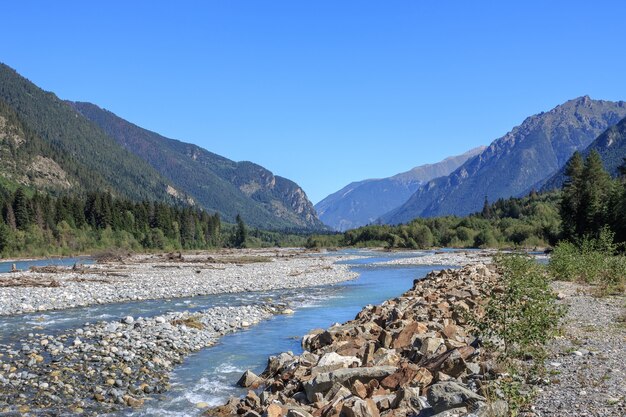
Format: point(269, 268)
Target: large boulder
point(447, 395)
point(249, 380)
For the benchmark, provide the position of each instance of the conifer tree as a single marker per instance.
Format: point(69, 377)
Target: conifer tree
point(21, 209)
point(241, 233)
point(572, 195)
point(596, 194)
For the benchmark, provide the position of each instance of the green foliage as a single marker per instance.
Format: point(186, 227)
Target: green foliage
point(516, 222)
point(241, 234)
point(522, 310)
point(591, 261)
point(39, 225)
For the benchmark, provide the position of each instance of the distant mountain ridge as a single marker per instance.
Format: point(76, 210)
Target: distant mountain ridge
point(61, 147)
point(215, 182)
point(611, 145)
point(512, 164)
point(360, 203)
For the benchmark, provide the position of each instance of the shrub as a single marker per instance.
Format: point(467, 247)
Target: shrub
point(521, 312)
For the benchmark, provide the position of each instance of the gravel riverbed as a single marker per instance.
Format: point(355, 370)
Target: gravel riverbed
point(446, 258)
point(586, 365)
point(147, 277)
point(107, 365)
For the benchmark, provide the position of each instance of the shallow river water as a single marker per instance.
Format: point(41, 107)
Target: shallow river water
point(209, 376)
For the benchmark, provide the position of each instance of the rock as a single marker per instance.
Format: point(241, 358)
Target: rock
point(250, 380)
point(274, 410)
point(160, 320)
point(405, 337)
point(359, 389)
point(324, 382)
point(430, 345)
point(287, 311)
point(361, 408)
point(498, 408)
point(447, 395)
point(293, 412)
point(128, 320)
point(333, 358)
point(202, 404)
point(134, 402)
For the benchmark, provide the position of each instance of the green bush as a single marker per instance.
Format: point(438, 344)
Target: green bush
point(590, 261)
point(521, 312)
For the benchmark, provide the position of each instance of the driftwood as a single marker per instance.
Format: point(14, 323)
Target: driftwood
point(28, 281)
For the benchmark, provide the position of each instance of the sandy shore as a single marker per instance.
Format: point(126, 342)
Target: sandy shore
point(146, 277)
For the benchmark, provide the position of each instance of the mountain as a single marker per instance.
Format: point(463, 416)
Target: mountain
point(47, 135)
point(216, 183)
point(512, 164)
point(362, 202)
point(611, 145)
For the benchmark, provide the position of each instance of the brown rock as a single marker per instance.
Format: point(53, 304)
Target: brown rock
point(359, 389)
point(274, 410)
point(402, 377)
point(405, 337)
point(249, 380)
point(360, 408)
point(423, 377)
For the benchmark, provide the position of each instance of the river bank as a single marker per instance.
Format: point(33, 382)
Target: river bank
point(158, 276)
point(411, 354)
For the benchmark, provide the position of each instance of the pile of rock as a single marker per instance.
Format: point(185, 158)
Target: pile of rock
point(408, 356)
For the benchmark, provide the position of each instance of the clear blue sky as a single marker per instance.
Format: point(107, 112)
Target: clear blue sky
point(322, 92)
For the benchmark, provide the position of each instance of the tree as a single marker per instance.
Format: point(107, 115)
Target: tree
point(486, 213)
point(4, 236)
point(596, 193)
point(21, 209)
point(241, 233)
point(572, 195)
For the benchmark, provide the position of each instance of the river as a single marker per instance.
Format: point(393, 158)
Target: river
point(209, 376)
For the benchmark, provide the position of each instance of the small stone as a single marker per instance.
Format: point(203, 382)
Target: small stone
point(128, 320)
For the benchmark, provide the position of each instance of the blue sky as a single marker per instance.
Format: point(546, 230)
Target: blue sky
point(322, 92)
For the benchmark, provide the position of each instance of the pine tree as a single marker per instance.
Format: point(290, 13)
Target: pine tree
point(241, 233)
point(486, 213)
point(21, 208)
point(597, 190)
point(570, 206)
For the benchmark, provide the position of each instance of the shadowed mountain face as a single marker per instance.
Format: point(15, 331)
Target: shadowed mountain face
point(514, 163)
point(58, 150)
point(611, 145)
point(362, 202)
point(214, 182)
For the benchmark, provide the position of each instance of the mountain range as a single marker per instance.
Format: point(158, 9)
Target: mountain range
point(611, 145)
point(50, 144)
point(363, 202)
point(515, 163)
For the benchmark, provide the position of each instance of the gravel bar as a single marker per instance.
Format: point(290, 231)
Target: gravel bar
point(148, 277)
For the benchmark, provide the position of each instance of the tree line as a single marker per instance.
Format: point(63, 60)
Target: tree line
point(35, 223)
point(589, 202)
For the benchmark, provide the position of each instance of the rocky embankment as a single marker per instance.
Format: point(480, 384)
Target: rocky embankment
point(149, 277)
point(104, 366)
point(412, 355)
